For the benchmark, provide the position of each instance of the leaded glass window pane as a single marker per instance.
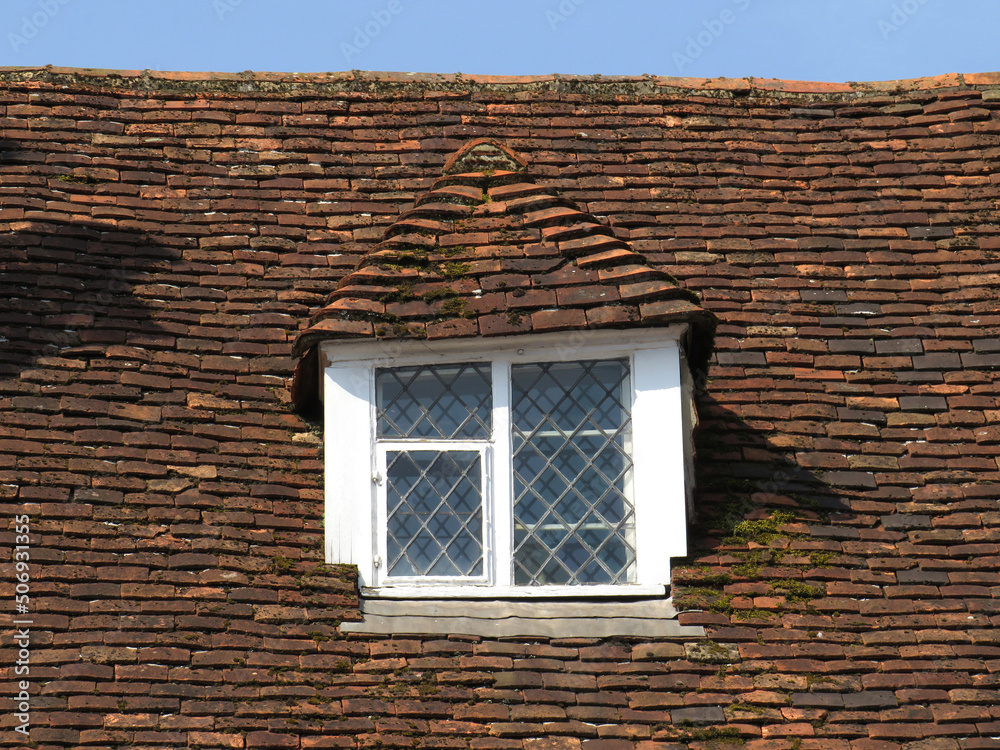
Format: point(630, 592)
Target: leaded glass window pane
point(438, 402)
point(571, 430)
point(435, 513)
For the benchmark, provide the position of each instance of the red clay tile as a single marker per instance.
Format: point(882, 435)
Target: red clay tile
point(558, 320)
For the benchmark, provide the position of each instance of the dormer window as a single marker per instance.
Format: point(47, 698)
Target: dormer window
point(506, 400)
point(510, 472)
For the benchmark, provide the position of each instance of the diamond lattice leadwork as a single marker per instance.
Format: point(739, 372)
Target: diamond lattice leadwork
point(439, 402)
point(571, 428)
point(435, 519)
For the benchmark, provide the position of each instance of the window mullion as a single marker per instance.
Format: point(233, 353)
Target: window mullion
point(501, 497)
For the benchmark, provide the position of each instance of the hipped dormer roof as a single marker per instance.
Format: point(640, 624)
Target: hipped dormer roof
point(488, 252)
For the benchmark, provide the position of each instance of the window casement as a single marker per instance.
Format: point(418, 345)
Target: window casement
point(547, 466)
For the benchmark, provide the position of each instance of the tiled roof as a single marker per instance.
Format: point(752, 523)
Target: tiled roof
point(488, 252)
point(164, 238)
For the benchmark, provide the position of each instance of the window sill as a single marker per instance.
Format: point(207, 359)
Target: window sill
point(587, 618)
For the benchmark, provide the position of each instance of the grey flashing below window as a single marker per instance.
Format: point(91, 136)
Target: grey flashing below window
point(647, 618)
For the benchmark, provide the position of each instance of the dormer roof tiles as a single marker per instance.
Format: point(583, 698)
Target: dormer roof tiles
point(489, 252)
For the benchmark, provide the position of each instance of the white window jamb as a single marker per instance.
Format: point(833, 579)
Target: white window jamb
point(349, 464)
point(658, 463)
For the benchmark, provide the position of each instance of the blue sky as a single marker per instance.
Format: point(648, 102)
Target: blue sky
point(818, 40)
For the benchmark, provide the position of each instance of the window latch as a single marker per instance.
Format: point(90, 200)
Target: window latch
point(377, 479)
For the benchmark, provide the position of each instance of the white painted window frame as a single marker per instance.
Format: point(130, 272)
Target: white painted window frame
point(661, 454)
